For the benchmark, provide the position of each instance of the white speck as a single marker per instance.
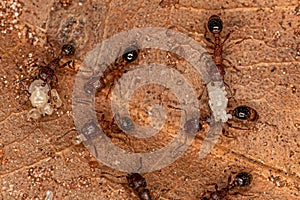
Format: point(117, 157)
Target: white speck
point(49, 195)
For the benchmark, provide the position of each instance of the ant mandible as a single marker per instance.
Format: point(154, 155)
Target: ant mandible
point(242, 179)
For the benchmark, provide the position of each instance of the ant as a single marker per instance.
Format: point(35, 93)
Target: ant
point(47, 72)
point(114, 71)
point(138, 184)
point(215, 26)
point(242, 179)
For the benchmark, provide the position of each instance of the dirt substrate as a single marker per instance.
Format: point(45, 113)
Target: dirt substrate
point(37, 161)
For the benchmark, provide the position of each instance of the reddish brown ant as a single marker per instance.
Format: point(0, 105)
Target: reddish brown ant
point(47, 72)
point(242, 179)
point(215, 26)
point(138, 184)
point(114, 71)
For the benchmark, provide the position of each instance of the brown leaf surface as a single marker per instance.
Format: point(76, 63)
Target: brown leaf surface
point(34, 158)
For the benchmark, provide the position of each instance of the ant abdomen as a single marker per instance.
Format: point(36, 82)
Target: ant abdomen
point(68, 49)
point(245, 113)
point(242, 179)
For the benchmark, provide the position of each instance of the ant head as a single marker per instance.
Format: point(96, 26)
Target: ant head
point(243, 178)
point(215, 24)
point(68, 49)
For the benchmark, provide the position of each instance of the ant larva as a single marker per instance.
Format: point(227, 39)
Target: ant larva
point(242, 179)
point(137, 183)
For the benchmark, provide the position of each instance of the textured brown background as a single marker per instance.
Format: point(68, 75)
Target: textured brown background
point(34, 160)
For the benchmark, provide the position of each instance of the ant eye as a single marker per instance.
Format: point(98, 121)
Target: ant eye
point(68, 49)
point(215, 24)
point(130, 55)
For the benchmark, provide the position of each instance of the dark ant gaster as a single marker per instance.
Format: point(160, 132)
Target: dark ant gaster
point(243, 117)
point(192, 126)
point(242, 179)
point(245, 113)
point(138, 184)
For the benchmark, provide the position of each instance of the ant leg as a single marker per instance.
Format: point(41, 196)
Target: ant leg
point(51, 46)
point(63, 135)
point(34, 61)
point(228, 135)
point(225, 38)
point(54, 82)
point(216, 187)
point(202, 92)
point(206, 37)
point(237, 127)
point(230, 63)
point(230, 91)
point(229, 179)
point(238, 42)
point(70, 64)
point(113, 178)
